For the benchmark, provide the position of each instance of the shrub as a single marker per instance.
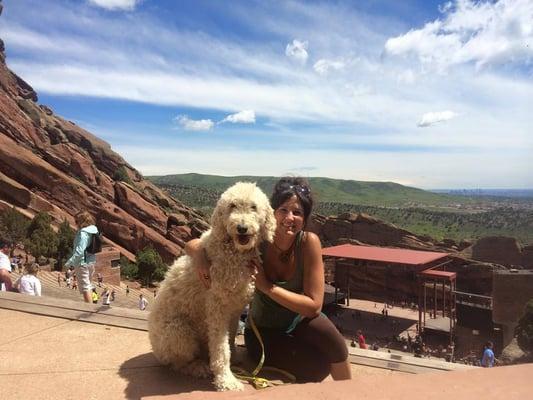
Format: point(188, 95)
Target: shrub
point(64, 246)
point(41, 239)
point(13, 226)
point(122, 175)
point(524, 330)
point(148, 261)
point(128, 269)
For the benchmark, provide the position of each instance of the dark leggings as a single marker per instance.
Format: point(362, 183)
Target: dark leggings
point(307, 352)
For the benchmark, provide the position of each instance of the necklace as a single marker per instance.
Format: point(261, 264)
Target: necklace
point(285, 255)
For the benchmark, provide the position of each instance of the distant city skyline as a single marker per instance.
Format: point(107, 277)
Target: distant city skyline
point(429, 94)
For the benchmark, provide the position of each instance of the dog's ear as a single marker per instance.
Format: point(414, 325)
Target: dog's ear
point(218, 228)
point(269, 227)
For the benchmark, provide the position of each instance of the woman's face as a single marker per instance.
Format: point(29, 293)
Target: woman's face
point(290, 217)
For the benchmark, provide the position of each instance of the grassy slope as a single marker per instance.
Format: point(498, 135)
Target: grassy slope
point(412, 209)
point(386, 194)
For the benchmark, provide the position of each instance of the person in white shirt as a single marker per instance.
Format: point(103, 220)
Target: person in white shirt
point(142, 302)
point(106, 297)
point(5, 265)
point(29, 283)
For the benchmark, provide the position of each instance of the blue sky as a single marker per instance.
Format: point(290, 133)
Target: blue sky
point(428, 94)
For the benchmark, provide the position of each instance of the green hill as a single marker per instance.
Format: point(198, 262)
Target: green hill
point(384, 194)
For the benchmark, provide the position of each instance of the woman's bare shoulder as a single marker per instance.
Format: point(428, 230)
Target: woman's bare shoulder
point(311, 240)
point(310, 237)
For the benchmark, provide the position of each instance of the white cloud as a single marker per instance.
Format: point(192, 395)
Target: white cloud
point(323, 66)
point(407, 77)
point(194, 125)
point(147, 59)
point(242, 117)
point(479, 32)
point(127, 5)
point(432, 118)
point(297, 50)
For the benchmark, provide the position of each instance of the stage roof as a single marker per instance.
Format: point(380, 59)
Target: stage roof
point(431, 273)
point(383, 254)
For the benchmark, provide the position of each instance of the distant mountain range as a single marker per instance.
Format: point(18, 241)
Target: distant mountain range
point(512, 193)
point(440, 215)
point(326, 190)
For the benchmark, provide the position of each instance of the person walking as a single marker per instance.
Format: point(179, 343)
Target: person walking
point(106, 297)
point(361, 339)
point(143, 303)
point(487, 360)
point(94, 296)
point(83, 261)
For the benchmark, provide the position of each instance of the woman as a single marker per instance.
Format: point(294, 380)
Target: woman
point(289, 293)
point(29, 283)
point(82, 261)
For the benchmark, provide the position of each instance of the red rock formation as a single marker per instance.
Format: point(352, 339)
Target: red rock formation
point(50, 164)
point(498, 249)
point(472, 275)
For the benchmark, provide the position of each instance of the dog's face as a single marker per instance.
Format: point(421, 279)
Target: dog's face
point(244, 214)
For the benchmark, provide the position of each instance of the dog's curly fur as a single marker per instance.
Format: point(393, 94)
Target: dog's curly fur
point(190, 324)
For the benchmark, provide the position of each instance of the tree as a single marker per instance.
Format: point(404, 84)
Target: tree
point(41, 239)
point(13, 226)
point(148, 261)
point(524, 330)
point(65, 237)
point(128, 269)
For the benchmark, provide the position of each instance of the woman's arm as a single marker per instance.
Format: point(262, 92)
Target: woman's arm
point(193, 248)
point(308, 304)
point(81, 241)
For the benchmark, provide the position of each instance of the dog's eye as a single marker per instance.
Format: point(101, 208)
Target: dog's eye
point(232, 206)
point(254, 207)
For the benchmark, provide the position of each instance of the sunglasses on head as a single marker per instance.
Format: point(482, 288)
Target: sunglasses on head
point(304, 190)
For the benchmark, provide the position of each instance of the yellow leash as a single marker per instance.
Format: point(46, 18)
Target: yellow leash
point(256, 381)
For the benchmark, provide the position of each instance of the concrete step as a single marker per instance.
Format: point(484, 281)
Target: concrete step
point(51, 288)
point(400, 362)
point(75, 310)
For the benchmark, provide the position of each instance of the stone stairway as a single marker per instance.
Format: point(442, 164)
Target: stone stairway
point(51, 288)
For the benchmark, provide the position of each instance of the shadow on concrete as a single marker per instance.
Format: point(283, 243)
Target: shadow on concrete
point(146, 377)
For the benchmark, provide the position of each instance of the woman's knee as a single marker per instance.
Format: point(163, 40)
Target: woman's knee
point(323, 335)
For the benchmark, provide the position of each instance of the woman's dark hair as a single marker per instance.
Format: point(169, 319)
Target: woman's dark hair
point(289, 186)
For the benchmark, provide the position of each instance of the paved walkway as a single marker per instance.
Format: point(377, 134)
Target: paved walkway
point(65, 357)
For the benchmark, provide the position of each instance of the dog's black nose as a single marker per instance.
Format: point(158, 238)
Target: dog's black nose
point(242, 229)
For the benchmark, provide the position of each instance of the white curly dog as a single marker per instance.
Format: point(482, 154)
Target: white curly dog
point(189, 325)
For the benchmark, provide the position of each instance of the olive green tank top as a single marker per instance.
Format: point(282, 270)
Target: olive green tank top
point(265, 311)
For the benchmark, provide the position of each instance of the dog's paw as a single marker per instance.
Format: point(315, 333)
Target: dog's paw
point(228, 382)
point(197, 369)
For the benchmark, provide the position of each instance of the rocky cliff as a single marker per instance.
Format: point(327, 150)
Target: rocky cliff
point(473, 275)
point(50, 164)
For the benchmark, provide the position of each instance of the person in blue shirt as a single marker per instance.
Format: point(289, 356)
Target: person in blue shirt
point(82, 261)
point(487, 360)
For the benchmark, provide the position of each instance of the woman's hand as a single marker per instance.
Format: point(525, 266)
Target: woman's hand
point(258, 276)
point(203, 274)
point(194, 249)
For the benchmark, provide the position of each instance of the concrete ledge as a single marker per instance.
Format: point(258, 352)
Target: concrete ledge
point(402, 363)
point(75, 310)
point(509, 383)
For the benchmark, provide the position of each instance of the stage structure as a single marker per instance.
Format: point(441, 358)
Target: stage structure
point(425, 267)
